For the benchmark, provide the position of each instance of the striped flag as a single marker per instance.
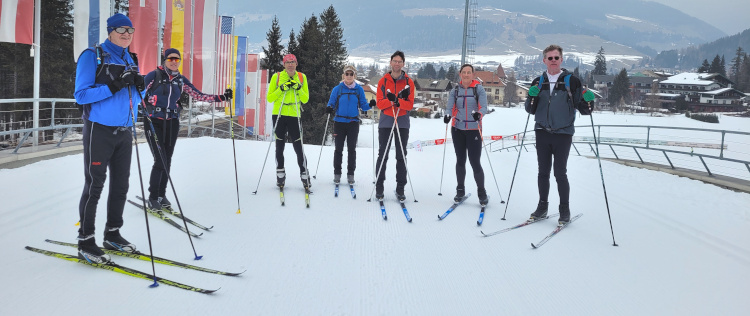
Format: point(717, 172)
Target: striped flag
point(17, 21)
point(240, 71)
point(224, 67)
point(89, 24)
point(145, 17)
point(177, 32)
point(204, 45)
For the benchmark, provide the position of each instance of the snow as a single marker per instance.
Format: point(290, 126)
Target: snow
point(541, 17)
point(620, 17)
point(683, 244)
point(689, 78)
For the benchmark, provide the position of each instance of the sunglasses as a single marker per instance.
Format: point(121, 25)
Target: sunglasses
point(173, 58)
point(349, 73)
point(122, 30)
point(555, 58)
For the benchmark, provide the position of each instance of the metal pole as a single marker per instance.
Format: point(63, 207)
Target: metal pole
point(466, 30)
point(36, 50)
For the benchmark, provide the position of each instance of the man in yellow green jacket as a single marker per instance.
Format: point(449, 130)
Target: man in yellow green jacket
point(288, 91)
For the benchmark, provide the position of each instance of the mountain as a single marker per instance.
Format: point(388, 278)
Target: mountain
point(692, 56)
point(629, 27)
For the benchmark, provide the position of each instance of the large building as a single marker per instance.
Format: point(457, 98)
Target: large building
point(705, 92)
point(492, 81)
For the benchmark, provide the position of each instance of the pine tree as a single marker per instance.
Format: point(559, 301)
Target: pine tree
point(737, 65)
point(705, 66)
point(715, 65)
point(723, 66)
point(429, 71)
point(745, 75)
point(620, 91)
point(333, 62)
point(600, 64)
point(310, 58)
point(292, 47)
point(273, 59)
point(452, 73)
point(441, 73)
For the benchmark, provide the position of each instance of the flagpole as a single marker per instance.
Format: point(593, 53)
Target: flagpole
point(37, 52)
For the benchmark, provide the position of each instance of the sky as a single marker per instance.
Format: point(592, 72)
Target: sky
point(730, 16)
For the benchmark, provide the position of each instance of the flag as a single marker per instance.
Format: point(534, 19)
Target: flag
point(252, 87)
point(89, 24)
point(204, 45)
point(177, 32)
point(17, 21)
point(240, 71)
point(262, 106)
point(145, 17)
point(224, 54)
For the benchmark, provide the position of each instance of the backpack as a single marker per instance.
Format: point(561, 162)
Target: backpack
point(455, 95)
point(336, 108)
point(158, 81)
point(101, 55)
point(567, 84)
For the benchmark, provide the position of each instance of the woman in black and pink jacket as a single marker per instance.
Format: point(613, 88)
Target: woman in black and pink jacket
point(164, 87)
point(468, 103)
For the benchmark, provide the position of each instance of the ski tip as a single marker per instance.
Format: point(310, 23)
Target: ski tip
point(479, 224)
point(410, 220)
point(483, 234)
point(532, 245)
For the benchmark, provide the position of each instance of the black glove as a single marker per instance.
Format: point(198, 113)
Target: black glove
point(396, 104)
point(228, 94)
point(373, 103)
point(329, 110)
point(391, 97)
point(296, 85)
point(446, 119)
point(139, 83)
point(116, 85)
point(476, 116)
point(404, 94)
point(128, 76)
point(285, 86)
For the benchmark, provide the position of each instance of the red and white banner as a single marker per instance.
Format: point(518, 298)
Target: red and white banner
point(204, 45)
point(145, 17)
point(262, 106)
point(17, 21)
point(224, 56)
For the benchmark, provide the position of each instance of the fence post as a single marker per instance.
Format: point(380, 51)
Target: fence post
point(721, 153)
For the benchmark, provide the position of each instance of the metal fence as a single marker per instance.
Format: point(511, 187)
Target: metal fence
point(713, 151)
point(59, 120)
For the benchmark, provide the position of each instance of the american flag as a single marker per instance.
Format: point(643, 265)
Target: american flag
point(224, 67)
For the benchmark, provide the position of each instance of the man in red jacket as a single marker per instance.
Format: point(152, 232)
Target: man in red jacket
point(395, 100)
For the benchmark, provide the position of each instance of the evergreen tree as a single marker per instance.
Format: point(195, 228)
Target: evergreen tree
point(744, 84)
point(452, 73)
point(373, 73)
point(292, 46)
point(723, 66)
point(441, 73)
point(715, 65)
point(334, 59)
point(600, 64)
point(620, 91)
point(577, 73)
point(705, 66)
point(429, 71)
point(311, 62)
point(273, 59)
point(737, 65)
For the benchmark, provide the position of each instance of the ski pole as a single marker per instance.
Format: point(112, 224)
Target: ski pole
point(523, 138)
point(234, 152)
point(301, 136)
point(385, 152)
point(445, 144)
point(321, 146)
point(599, 159)
point(402, 147)
point(273, 140)
point(162, 156)
point(490, 161)
point(140, 176)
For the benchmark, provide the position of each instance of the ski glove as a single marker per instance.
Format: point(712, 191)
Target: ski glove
point(588, 96)
point(404, 94)
point(296, 85)
point(286, 86)
point(228, 94)
point(446, 119)
point(329, 110)
point(534, 91)
point(476, 115)
point(140, 84)
point(373, 103)
point(391, 97)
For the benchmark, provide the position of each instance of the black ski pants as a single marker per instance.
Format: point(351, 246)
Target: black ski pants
point(164, 134)
point(345, 132)
point(551, 146)
point(288, 125)
point(384, 149)
point(468, 141)
point(104, 147)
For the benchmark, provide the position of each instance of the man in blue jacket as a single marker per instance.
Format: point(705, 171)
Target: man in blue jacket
point(107, 80)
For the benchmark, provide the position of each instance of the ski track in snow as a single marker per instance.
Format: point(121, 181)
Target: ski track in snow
point(682, 243)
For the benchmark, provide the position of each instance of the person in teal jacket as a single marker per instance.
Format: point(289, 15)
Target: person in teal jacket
point(346, 100)
point(107, 84)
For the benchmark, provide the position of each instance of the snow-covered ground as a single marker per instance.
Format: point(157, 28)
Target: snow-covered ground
point(683, 244)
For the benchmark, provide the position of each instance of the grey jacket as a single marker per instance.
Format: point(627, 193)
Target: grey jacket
point(555, 110)
point(463, 103)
